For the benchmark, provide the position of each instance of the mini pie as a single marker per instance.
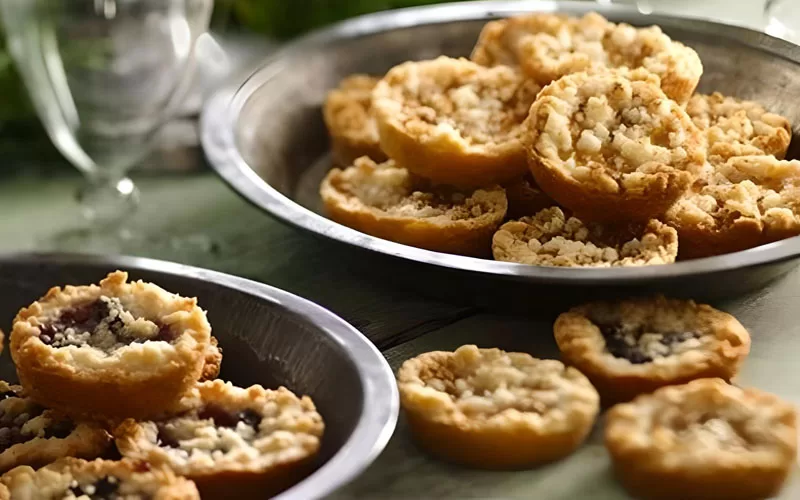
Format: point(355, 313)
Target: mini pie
point(387, 202)
point(635, 346)
point(491, 409)
point(453, 121)
point(549, 46)
point(33, 435)
point(348, 116)
point(703, 440)
point(750, 201)
point(233, 442)
point(611, 146)
point(525, 197)
point(74, 479)
point(549, 238)
point(737, 128)
point(114, 350)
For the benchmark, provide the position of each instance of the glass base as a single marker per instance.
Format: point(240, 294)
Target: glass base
point(125, 242)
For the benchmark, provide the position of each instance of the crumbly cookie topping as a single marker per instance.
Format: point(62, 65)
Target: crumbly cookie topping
point(457, 100)
point(616, 130)
point(22, 420)
point(638, 345)
point(104, 324)
point(551, 239)
point(487, 383)
point(348, 109)
point(737, 128)
point(393, 191)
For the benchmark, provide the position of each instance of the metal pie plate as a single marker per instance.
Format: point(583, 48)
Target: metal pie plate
point(268, 336)
point(266, 138)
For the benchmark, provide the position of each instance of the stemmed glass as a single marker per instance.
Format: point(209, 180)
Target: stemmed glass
point(104, 77)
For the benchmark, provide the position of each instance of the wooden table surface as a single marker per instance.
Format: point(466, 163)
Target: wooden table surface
point(37, 202)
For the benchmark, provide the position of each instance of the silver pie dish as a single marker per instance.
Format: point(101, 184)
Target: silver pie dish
point(266, 138)
point(268, 337)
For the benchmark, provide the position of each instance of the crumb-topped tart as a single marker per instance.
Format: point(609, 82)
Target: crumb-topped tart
point(735, 127)
point(549, 46)
point(453, 121)
point(348, 116)
point(115, 350)
point(635, 346)
point(748, 201)
point(74, 479)
point(33, 435)
point(231, 441)
point(611, 146)
point(492, 409)
point(550, 238)
point(703, 440)
point(388, 202)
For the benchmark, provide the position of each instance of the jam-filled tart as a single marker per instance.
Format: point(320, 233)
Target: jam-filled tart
point(635, 346)
point(74, 479)
point(115, 350)
point(35, 436)
point(231, 441)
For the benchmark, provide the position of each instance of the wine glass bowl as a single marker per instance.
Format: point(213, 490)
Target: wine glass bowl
point(104, 77)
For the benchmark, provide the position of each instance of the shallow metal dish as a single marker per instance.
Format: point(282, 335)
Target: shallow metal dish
point(266, 138)
point(268, 337)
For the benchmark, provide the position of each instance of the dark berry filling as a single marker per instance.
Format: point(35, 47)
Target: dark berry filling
point(7, 394)
point(90, 318)
point(623, 343)
point(219, 415)
point(104, 489)
point(11, 425)
point(60, 429)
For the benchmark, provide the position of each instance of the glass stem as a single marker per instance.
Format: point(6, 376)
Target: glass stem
point(108, 200)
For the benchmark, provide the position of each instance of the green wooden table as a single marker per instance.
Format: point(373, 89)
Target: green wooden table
point(402, 323)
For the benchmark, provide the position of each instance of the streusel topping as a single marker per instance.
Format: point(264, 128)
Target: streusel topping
point(22, 420)
point(706, 419)
point(551, 239)
point(393, 191)
point(615, 130)
point(457, 101)
point(735, 127)
point(488, 384)
point(348, 109)
point(549, 46)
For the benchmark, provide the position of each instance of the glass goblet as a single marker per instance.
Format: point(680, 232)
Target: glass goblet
point(104, 76)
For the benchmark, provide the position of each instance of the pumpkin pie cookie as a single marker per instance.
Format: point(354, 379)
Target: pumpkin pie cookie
point(749, 201)
point(233, 442)
point(735, 127)
point(703, 440)
point(635, 346)
point(612, 146)
point(492, 409)
point(388, 202)
point(115, 350)
point(35, 436)
point(74, 479)
point(550, 238)
point(453, 121)
point(348, 116)
point(549, 46)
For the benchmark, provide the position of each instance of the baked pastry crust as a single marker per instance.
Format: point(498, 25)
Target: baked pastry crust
point(611, 146)
point(348, 115)
point(703, 440)
point(638, 345)
point(749, 201)
point(735, 127)
point(453, 121)
point(549, 46)
point(491, 409)
point(233, 442)
point(213, 360)
point(35, 436)
point(550, 238)
point(525, 197)
point(115, 350)
point(72, 478)
point(388, 202)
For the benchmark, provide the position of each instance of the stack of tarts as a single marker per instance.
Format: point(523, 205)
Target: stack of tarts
point(561, 142)
point(676, 428)
point(118, 398)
